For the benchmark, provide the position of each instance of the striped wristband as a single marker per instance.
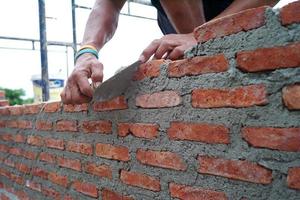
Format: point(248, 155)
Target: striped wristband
point(86, 50)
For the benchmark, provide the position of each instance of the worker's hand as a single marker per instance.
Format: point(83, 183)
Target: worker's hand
point(78, 89)
point(170, 46)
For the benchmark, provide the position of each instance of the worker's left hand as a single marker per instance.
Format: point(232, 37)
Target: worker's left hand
point(170, 46)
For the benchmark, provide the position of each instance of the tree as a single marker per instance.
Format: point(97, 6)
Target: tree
point(15, 96)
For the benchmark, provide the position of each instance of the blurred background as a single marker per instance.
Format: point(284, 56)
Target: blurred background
point(20, 62)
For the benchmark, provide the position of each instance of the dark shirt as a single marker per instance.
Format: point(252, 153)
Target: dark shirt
point(211, 9)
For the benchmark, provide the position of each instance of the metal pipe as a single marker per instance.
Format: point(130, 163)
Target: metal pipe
point(43, 50)
point(74, 28)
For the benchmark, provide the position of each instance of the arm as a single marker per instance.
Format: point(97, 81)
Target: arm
point(99, 29)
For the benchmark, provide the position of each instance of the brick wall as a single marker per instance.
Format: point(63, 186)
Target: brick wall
point(223, 123)
point(3, 101)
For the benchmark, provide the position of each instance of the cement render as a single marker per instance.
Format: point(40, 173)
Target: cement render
point(273, 114)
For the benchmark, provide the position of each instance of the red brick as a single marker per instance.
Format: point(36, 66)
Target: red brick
point(74, 164)
point(238, 97)
point(76, 108)
point(207, 133)
point(142, 130)
point(2, 94)
point(43, 125)
point(35, 140)
point(6, 137)
point(51, 193)
point(4, 197)
point(284, 139)
point(235, 169)
point(290, 13)
point(77, 147)
point(293, 178)
point(16, 110)
point(140, 180)
point(5, 173)
point(58, 179)
point(98, 170)
point(29, 155)
point(32, 108)
point(86, 188)
point(279, 57)
point(4, 103)
point(22, 168)
point(118, 103)
point(12, 124)
point(4, 111)
point(162, 159)
point(291, 96)
point(52, 107)
point(198, 65)
point(18, 179)
point(47, 157)
point(150, 69)
point(4, 148)
point(33, 185)
point(65, 125)
point(159, 100)
point(36, 171)
point(16, 151)
point(230, 24)
point(19, 138)
point(112, 152)
point(111, 195)
point(24, 124)
point(100, 126)
point(9, 162)
point(193, 193)
point(68, 197)
point(54, 143)
point(2, 124)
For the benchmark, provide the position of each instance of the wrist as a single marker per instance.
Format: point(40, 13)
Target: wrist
point(86, 49)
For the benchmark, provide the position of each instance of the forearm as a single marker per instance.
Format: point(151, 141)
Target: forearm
point(239, 5)
point(102, 22)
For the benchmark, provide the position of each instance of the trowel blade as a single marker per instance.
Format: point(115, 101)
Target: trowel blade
point(116, 85)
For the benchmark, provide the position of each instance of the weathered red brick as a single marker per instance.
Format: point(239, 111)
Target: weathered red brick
point(66, 125)
point(159, 100)
point(32, 108)
point(54, 143)
point(4, 111)
point(19, 138)
point(2, 124)
point(99, 126)
point(4, 148)
point(193, 193)
point(50, 192)
point(22, 167)
point(291, 96)
point(16, 110)
point(36, 171)
point(164, 159)
point(9, 162)
point(16, 151)
point(293, 178)
point(52, 107)
point(47, 157)
point(24, 124)
point(4, 103)
point(238, 97)
point(198, 65)
point(76, 108)
point(118, 103)
point(284, 139)
point(111, 195)
point(77, 147)
point(142, 130)
point(150, 69)
point(35, 140)
point(290, 13)
point(34, 185)
point(230, 24)
point(12, 124)
point(86, 188)
point(278, 57)
point(207, 133)
point(68, 197)
point(43, 125)
point(18, 179)
point(235, 169)
point(6, 137)
point(74, 164)
point(140, 180)
point(58, 179)
point(112, 152)
point(29, 155)
point(98, 170)
point(4, 197)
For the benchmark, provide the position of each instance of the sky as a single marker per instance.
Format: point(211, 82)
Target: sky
point(19, 18)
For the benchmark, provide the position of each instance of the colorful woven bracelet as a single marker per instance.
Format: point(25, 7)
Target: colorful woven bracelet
point(86, 50)
point(87, 46)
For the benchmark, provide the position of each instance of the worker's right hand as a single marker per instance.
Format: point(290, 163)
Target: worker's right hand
point(78, 89)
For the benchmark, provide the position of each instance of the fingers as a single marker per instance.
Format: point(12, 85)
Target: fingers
point(164, 48)
point(176, 53)
point(97, 72)
point(149, 51)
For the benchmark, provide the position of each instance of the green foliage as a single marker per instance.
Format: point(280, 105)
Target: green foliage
point(14, 96)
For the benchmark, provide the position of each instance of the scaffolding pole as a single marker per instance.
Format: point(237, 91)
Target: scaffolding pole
point(43, 50)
